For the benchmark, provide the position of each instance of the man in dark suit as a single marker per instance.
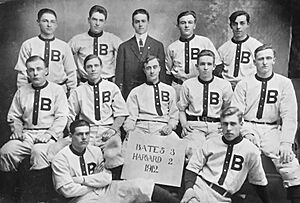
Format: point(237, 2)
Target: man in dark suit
point(132, 54)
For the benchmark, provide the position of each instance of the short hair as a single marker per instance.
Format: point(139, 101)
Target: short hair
point(100, 9)
point(89, 57)
point(45, 10)
point(235, 14)
point(264, 47)
point(34, 58)
point(186, 13)
point(206, 52)
point(140, 11)
point(150, 58)
point(229, 111)
point(78, 123)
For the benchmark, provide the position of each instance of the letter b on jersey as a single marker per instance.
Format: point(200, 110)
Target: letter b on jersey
point(45, 104)
point(103, 49)
point(55, 55)
point(106, 96)
point(245, 57)
point(272, 96)
point(237, 162)
point(165, 96)
point(214, 98)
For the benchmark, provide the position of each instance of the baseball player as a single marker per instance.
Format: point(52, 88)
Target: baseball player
point(152, 105)
point(201, 100)
point(219, 169)
point(268, 99)
point(237, 54)
point(37, 118)
point(181, 55)
point(56, 53)
point(98, 42)
point(79, 173)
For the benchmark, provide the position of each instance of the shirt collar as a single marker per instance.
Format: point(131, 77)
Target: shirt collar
point(232, 142)
point(41, 87)
point(44, 39)
point(90, 33)
point(149, 83)
point(142, 36)
point(76, 152)
point(239, 42)
point(186, 39)
point(92, 84)
point(264, 79)
point(205, 82)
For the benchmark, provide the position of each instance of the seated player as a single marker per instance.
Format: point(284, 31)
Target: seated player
point(201, 100)
point(218, 170)
point(152, 105)
point(37, 117)
point(79, 173)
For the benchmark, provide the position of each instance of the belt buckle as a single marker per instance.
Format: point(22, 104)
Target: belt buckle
point(204, 118)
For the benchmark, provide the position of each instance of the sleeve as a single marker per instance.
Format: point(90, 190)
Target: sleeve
point(63, 181)
point(213, 49)
point(74, 107)
point(288, 112)
point(169, 61)
point(132, 106)
point(15, 113)
point(162, 58)
point(256, 174)
point(239, 96)
point(174, 113)
point(72, 44)
point(119, 105)
point(198, 159)
point(120, 63)
point(24, 54)
point(227, 96)
point(60, 114)
point(98, 180)
point(70, 68)
point(183, 98)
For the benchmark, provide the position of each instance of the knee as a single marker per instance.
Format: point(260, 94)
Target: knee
point(38, 150)
point(8, 148)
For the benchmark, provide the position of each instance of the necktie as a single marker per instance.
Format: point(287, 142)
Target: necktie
point(141, 45)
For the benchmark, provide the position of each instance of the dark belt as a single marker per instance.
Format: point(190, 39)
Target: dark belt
point(109, 79)
point(63, 82)
point(151, 121)
point(178, 81)
point(263, 123)
point(218, 189)
point(202, 118)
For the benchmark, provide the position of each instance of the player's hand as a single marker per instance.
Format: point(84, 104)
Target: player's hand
point(78, 179)
point(251, 138)
point(190, 196)
point(129, 125)
point(286, 153)
point(187, 129)
point(166, 130)
point(99, 168)
point(108, 134)
point(17, 135)
point(44, 138)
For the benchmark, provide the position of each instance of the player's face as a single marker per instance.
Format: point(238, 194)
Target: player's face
point(97, 22)
point(205, 67)
point(37, 72)
point(93, 69)
point(239, 27)
point(80, 138)
point(152, 70)
point(48, 24)
point(186, 26)
point(140, 23)
point(231, 127)
point(264, 62)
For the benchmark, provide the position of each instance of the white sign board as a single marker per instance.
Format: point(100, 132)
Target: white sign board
point(159, 158)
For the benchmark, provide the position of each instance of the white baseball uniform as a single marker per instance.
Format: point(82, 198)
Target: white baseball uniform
point(57, 55)
point(238, 58)
point(226, 164)
point(69, 165)
point(267, 102)
point(105, 45)
point(203, 101)
point(34, 111)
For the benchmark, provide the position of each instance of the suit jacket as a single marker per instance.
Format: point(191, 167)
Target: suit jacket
point(130, 63)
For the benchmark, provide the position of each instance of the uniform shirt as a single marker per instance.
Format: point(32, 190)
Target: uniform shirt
point(39, 108)
point(279, 102)
point(97, 103)
point(57, 55)
point(228, 163)
point(237, 57)
point(205, 98)
point(105, 45)
point(184, 52)
point(153, 103)
point(69, 163)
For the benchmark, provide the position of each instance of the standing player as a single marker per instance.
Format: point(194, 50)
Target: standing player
point(182, 54)
point(237, 54)
point(56, 53)
point(219, 169)
point(201, 100)
point(152, 105)
point(79, 173)
point(132, 54)
point(37, 117)
point(268, 99)
point(97, 42)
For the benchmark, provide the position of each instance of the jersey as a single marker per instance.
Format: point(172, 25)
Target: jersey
point(228, 163)
point(105, 45)
point(238, 57)
point(57, 55)
point(181, 56)
point(43, 108)
point(153, 103)
point(205, 98)
point(69, 163)
point(268, 100)
point(97, 103)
